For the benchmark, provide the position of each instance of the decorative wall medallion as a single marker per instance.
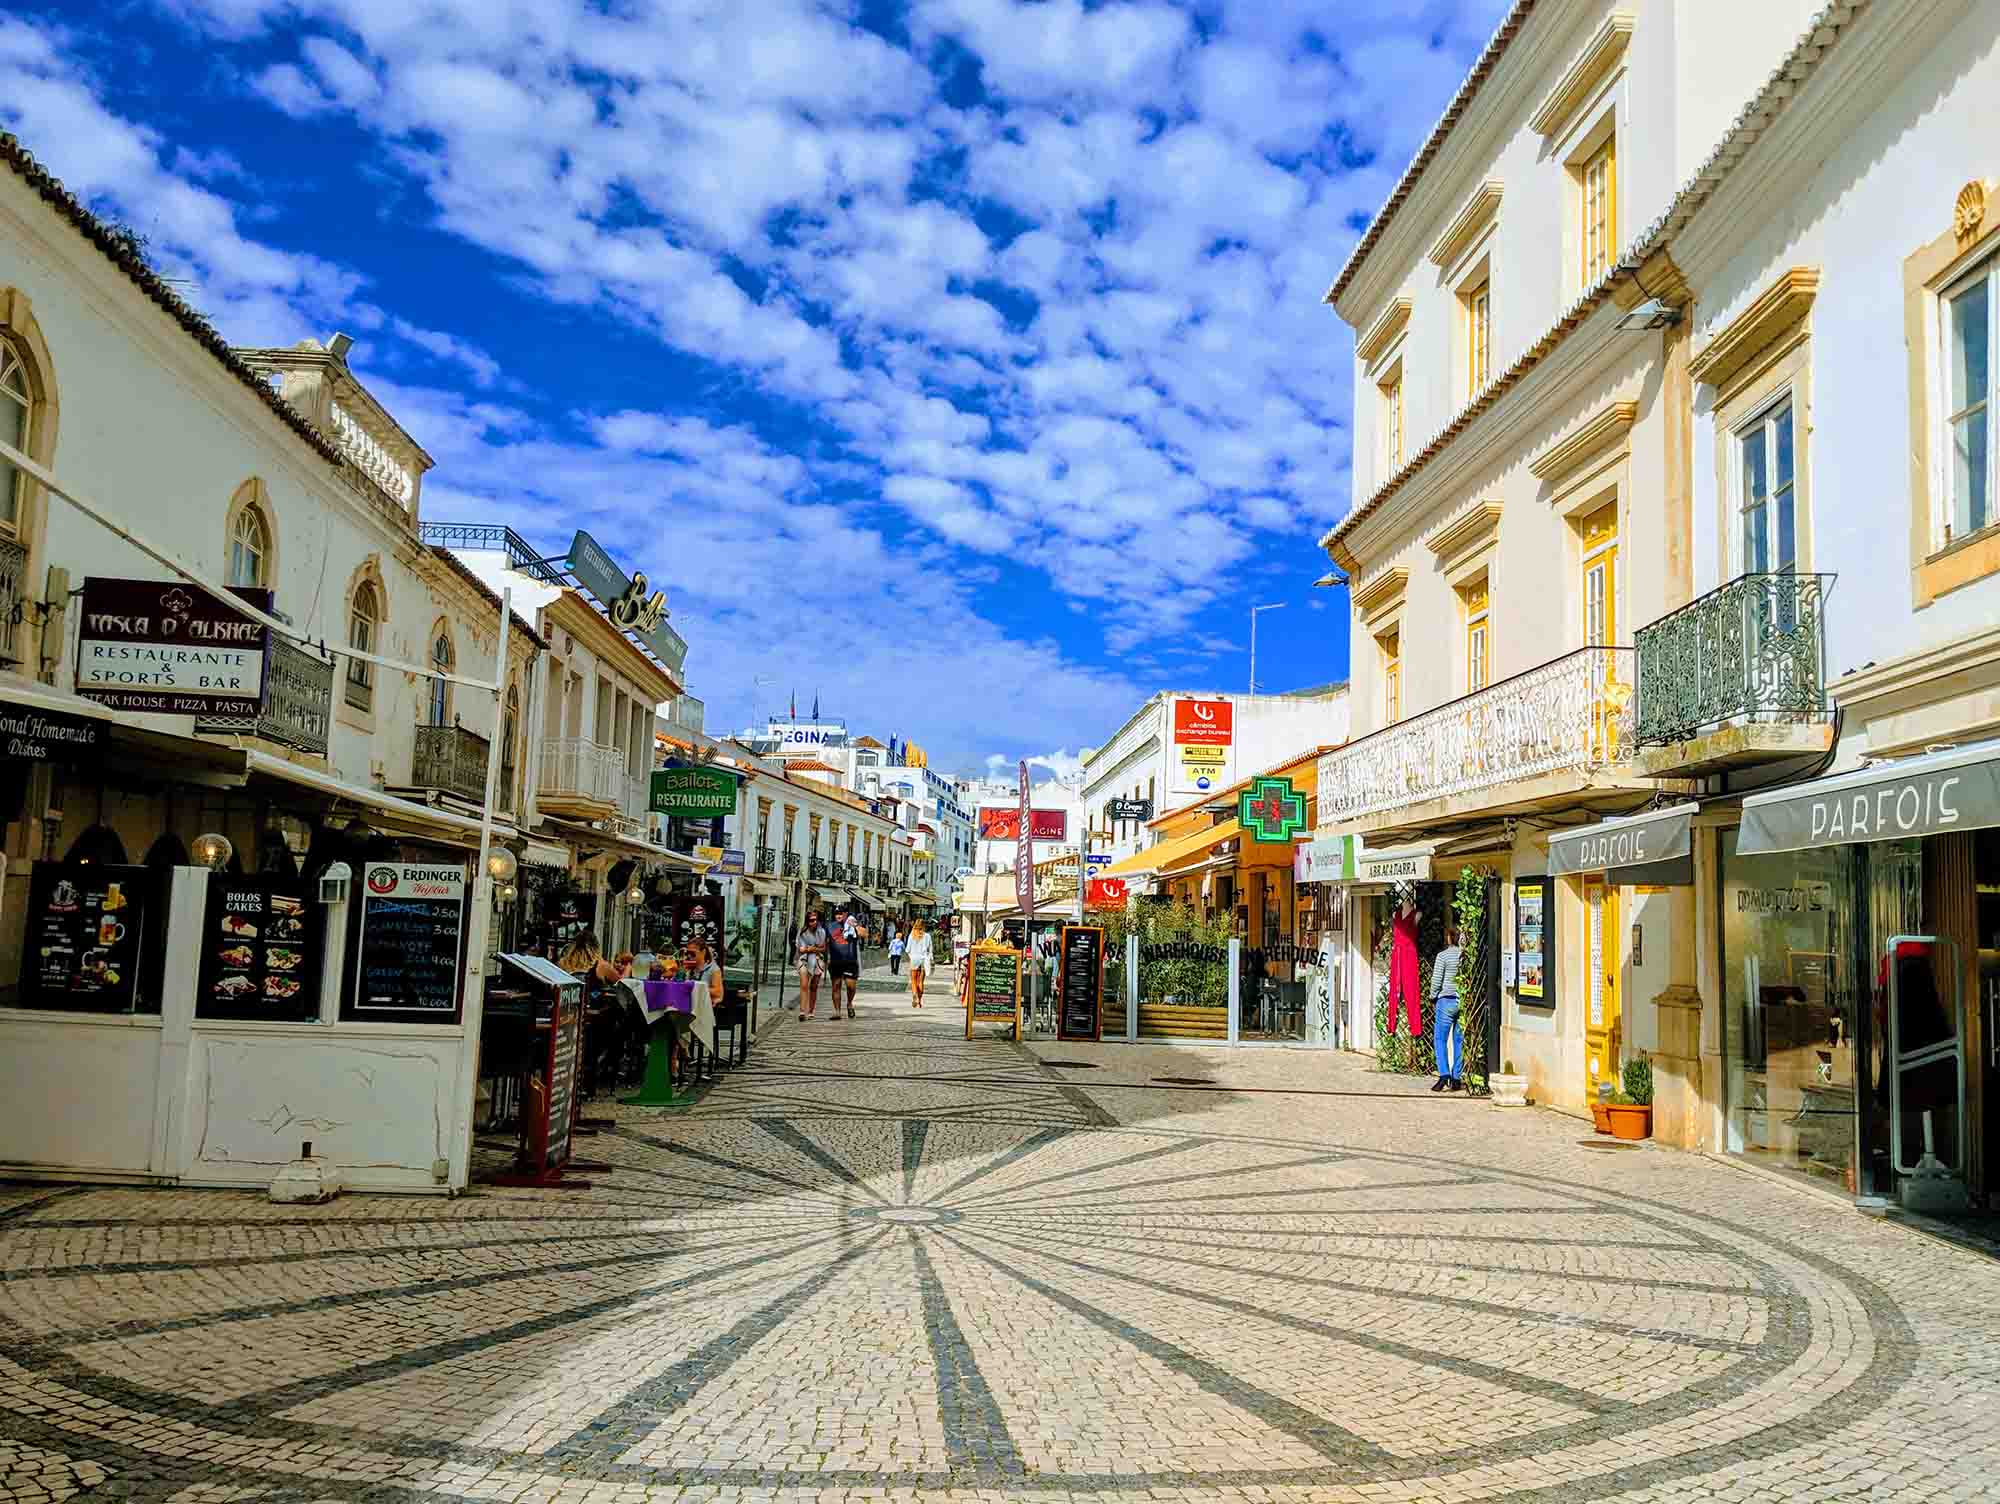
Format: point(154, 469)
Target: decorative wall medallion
point(1969, 213)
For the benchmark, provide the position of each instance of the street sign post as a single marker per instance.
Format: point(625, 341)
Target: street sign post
point(1024, 884)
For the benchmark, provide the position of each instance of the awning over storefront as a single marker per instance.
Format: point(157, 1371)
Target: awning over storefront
point(545, 854)
point(1168, 853)
point(405, 815)
point(1644, 840)
point(1958, 789)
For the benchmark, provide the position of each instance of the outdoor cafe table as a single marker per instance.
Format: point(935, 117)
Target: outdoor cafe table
point(675, 1010)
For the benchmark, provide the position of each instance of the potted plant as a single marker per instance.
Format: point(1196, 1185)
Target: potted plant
point(1509, 1090)
point(1631, 1110)
point(1600, 1107)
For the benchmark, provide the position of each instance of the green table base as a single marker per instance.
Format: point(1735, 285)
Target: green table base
point(657, 1090)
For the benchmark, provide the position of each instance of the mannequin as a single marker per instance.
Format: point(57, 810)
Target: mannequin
point(1403, 980)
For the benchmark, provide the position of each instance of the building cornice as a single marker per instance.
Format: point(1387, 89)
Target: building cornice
point(1602, 429)
point(1585, 71)
point(1380, 591)
point(1473, 216)
point(1394, 320)
point(1466, 531)
point(1781, 306)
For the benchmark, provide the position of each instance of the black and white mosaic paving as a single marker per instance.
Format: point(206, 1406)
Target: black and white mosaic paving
point(807, 1289)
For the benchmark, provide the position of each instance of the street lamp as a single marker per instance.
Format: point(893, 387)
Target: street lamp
point(1275, 606)
point(213, 850)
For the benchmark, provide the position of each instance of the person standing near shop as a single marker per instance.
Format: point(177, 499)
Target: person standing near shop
point(843, 963)
point(1448, 1042)
point(812, 964)
point(919, 953)
point(896, 951)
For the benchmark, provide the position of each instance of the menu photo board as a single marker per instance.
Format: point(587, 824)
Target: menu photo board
point(260, 949)
point(87, 928)
point(1082, 981)
point(993, 990)
point(1534, 960)
point(412, 939)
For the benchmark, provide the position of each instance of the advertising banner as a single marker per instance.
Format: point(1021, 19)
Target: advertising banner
point(1204, 723)
point(1000, 823)
point(1106, 893)
point(626, 601)
point(170, 649)
point(1024, 852)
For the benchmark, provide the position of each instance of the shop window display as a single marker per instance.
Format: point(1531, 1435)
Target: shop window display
point(1400, 1052)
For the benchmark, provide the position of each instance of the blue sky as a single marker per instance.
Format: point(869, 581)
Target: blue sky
point(958, 361)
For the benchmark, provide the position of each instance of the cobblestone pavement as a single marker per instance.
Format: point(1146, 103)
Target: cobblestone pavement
point(886, 1262)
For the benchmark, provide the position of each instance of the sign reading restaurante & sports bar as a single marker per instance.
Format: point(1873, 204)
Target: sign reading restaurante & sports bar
point(693, 793)
point(170, 649)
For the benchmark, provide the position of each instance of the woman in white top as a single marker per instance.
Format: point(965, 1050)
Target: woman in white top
point(918, 953)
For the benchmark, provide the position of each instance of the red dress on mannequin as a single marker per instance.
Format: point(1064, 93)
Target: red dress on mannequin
point(1403, 968)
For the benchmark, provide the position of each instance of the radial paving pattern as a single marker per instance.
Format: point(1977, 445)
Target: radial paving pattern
point(849, 1299)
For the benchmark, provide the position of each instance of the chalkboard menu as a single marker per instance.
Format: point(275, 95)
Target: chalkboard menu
point(412, 929)
point(994, 992)
point(1082, 979)
point(549, 1116)
point(87, 926)
point(260, 949)
point(565, 1046)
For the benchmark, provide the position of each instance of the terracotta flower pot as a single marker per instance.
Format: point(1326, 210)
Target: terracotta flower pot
point(1600, 1114)
point(1631, 1122)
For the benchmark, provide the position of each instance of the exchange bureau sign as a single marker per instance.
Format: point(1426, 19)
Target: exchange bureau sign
point(1962, 795)
point(153, 645)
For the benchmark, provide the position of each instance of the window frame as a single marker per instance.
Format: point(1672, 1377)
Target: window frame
point(1603, 554)
point(250, 515)
point(1390, 645)
point(15, 511)
point(1395, 417)
point(443, 656)
point(1983, 270)
point(358, 689)
point(1477, 599)
point(1477, 303)
point(1761, 422)
point(1605, 153)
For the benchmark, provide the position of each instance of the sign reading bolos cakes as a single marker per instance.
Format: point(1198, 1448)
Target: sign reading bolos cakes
point(170, 649)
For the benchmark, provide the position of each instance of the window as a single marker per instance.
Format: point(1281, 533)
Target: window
point(1969, 312)
point(442, 659)
point(1600, 577)
point(1768, 497)
point(510, 730)
point(17, 407)
point(1598, 180)
point(249, 547)
point(1392, 420)
point(1392, 678)
point(364, 620)
point(1478, 338)
point(1478, 638)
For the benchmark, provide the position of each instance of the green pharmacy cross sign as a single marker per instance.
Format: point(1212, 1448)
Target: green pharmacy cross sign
point(1271, 810)
point(693, 793)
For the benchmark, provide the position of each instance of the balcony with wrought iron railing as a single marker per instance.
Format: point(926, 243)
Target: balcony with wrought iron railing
point(298, 702)
point(452, 760)
point(767, 862)
point(1736, 677)
point(792, 864)
point(820, 870)
point(581, 779)
point(1558, 734)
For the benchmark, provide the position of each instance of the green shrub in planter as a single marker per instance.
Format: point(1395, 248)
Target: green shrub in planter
point(1638, 1082)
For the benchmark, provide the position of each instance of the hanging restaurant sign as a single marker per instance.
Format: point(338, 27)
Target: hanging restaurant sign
point(170, 649)
point(626, 601)
point(693, 793)
point(1128, 809)
point(28, 734)
point(1271, 810)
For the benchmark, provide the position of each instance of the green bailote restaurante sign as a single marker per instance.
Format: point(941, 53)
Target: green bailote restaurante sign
point(695, 793)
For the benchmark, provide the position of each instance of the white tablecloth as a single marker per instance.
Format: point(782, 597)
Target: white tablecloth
point(702, 1021)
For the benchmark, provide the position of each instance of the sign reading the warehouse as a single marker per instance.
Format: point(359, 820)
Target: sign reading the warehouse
point(626, 600)
point(170, 649)
point(693, 793)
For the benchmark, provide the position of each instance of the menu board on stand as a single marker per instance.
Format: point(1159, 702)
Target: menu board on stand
point(548, 1106)
point(260, 950)
point(993, 992)
point(410, 963)
point(1082, 980)
point(87, 932)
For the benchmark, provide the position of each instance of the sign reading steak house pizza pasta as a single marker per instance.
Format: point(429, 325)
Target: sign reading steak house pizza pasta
point(170, 649)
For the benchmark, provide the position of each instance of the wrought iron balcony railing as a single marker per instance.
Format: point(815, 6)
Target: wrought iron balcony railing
point(791, 864)
point(13, 577)
point(767, 861)
point(1752, 651)
point(1571, 713)
point(452, 759)
point(298, 702)
point(817, 871)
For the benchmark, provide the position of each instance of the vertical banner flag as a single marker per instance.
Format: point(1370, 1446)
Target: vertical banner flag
point(1024, 853)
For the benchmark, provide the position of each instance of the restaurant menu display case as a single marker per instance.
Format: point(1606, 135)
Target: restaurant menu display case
point(260, 953)
point(90, 928)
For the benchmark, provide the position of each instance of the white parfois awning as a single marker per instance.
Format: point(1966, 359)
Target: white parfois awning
point(1955, 789)
point(1659, 835)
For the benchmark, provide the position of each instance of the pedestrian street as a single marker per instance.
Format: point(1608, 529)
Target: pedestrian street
point(883, 1261)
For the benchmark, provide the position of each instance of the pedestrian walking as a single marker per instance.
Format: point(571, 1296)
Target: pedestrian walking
point(896, 952)
point(843, 961)
point(918, 953)
point(1448, 1041)
point(812, 964)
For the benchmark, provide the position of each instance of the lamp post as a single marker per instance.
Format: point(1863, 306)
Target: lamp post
point(1275, 606)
